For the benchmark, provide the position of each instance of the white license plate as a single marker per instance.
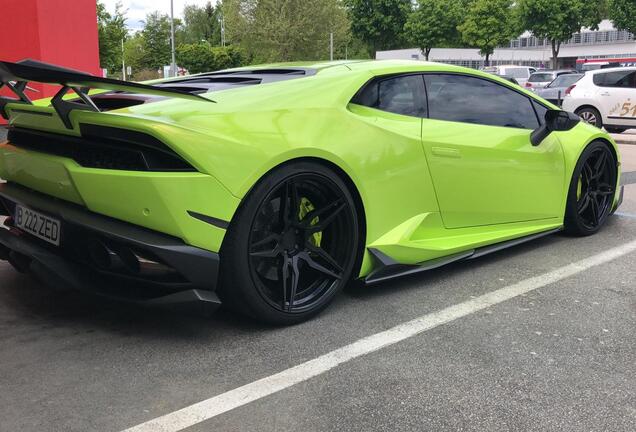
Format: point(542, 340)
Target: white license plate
point(35, 223)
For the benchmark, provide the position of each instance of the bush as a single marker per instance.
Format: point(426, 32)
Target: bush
point(202, 57)
point(145, 75)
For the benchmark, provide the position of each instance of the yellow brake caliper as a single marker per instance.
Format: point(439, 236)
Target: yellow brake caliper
point(305, 208)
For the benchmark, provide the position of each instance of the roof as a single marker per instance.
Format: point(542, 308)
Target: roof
point(614, 69)
point(357, 65)
point(555, 70)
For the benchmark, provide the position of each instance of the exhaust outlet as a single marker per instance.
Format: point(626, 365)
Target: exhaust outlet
point(103, 257)
point(144, 266)
point(154, 269)
point(122, 259)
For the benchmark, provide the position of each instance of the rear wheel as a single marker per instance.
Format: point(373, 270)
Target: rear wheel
point(590, 115)
point(615, 130)
point(592, 189)
point(292, 246)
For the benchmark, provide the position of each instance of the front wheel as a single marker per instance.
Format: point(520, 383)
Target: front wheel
point(292, 246)
point(592, 189)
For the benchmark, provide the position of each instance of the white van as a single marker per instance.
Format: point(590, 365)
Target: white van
point(519, 73)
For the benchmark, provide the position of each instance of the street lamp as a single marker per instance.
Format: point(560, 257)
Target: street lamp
point(123, 61)
point(173, 65)
point(222, 29)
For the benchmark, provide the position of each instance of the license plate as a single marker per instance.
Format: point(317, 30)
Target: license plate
point(35, 223)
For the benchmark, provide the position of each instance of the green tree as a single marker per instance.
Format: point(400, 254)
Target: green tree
point(623, 14)
point(111, 31)
point(558, 20)
point(285, 30)
point(379, 23)
point(156, 40)
point(134, 54)
point(201, 23)
point(487, 24)
point(433, 23)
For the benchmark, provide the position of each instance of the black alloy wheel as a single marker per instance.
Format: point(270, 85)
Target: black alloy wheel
point(295, 245)
point(591, 195)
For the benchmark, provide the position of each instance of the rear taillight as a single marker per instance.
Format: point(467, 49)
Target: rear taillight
point(569, 89)
point(528, 84)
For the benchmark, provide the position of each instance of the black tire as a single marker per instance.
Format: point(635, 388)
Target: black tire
point(293, 245)
point(592, 189)
point(590, 115)
point(615, 130)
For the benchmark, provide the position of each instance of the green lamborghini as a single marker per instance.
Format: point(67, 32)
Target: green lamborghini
point(269, 188)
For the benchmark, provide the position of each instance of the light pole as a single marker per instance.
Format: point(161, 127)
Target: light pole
point(331, 46)
point(173, 65)
point(123, 61)
point(222, 29)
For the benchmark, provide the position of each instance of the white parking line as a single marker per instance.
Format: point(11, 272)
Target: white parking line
point(627, 215)
point(209, 408)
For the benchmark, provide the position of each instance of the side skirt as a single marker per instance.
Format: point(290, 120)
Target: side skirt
point(389, 268)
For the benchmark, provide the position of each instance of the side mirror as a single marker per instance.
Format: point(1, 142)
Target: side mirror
point(555, 121)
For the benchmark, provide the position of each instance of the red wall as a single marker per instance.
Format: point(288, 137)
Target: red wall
point(63, 32)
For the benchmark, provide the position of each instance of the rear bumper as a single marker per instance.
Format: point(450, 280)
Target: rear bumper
point(108, 257)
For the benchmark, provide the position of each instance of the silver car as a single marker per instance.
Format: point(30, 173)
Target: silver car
point(555, 91)
point(542, 78)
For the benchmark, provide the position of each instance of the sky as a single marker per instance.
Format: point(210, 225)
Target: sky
point(137, 9)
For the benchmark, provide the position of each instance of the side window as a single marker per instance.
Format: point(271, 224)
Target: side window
point(398, 94)
point(461, 98)
point(624, 79)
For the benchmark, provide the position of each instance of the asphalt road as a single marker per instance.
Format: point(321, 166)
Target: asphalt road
point(560, 357)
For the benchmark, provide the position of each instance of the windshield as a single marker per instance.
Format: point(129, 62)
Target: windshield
point(540, 77)
point(566, 80)
point(517, 72)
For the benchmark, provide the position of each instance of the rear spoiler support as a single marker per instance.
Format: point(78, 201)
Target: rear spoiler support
point(16, 76)
point(18, 89)
point(63, 107)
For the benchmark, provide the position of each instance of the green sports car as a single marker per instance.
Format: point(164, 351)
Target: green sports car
point(269, 188)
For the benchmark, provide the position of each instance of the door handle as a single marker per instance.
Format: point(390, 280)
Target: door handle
point(605, 94)
point(446, 152)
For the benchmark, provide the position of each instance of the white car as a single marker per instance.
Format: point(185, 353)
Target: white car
point(519, 73)
point(605, 98)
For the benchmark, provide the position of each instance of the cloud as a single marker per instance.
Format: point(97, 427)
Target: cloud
point(138, 9)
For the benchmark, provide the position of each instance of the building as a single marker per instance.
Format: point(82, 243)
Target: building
point(470, 57)
point(63, 32)
point(604, 44)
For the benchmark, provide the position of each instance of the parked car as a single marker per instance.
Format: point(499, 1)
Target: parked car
point(555, 91)
point(520, 73)
point(542, 78)
point(584, 67)
point(272, 195)
point(605, 98)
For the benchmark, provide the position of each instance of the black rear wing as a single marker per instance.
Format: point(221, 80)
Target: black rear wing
point(16, 76)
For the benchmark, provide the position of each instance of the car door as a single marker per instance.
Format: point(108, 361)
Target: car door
point(616, 93)
point(392, 107)
point(484, 168)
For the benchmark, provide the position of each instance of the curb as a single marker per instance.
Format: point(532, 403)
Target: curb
point(622, 140)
